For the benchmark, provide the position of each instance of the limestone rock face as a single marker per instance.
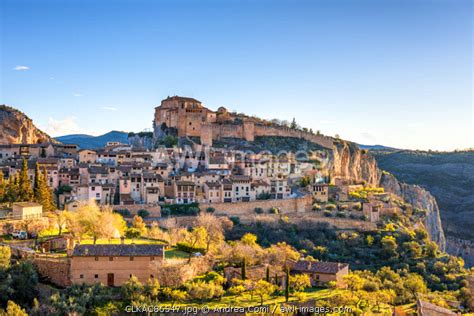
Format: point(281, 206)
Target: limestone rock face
point(349, 162)
point(17, 128)
point(422, 199)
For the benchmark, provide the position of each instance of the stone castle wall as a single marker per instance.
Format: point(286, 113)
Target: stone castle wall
point(250, 130)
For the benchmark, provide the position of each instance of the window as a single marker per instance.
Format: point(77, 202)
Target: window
point(96, 258)
point(152, 276)
point(131, 258)
point(96, 276)
point(111, 258)
point(81, 276)
point(152, 258)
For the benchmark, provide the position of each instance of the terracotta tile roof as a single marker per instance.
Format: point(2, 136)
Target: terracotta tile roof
point(118, 250)
point(216, 184)
point(318, 266)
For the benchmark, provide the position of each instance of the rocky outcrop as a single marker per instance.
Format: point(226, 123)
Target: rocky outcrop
point(419, 198)
point(17, 128)
point(350, 162)
point(462, 248)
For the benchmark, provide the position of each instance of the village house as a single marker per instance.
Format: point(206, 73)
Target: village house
point(25, 210)
point(242, 189)
point(185, 192)
point(87, 156)
point(320, 272)
point(113, 265)
point(213, 192)
point(320, 191)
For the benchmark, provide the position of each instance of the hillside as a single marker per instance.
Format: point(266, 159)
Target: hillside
point(448, 176)
point(17, 128)
point(92, 142)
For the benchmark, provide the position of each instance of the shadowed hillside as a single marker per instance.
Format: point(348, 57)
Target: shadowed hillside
point(448, 176)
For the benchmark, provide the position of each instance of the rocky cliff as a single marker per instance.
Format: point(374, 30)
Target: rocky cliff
point(17, 128)
point(350, 162)
point(419, 198)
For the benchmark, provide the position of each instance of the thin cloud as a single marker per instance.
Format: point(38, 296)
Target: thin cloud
point(21, 68)
point(77, 94)
point(109, 108)
point(59, 127)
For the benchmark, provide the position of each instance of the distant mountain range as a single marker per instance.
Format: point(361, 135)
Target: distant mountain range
point(92, 142)
point(377, 147)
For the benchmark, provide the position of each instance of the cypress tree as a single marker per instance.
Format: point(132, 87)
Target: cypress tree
point(25, 193)
point(46, 193)
point(11, 189)
point(244, 269)
point(267, 276)
point(2, 187)
point(287, 284)
point(37, 184)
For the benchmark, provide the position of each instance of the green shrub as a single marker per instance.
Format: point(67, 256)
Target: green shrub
point(331, 207)
point(143, 213)
point(341, 214)
point(264, 196)
point(210, 209)
point(258, 210)
point(235, 220)
point(180, 209)
point(357, 206)
point(364, 218)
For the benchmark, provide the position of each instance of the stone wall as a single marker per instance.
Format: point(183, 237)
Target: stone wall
point(9, 225)
point(294, 205)
point(155, 210)
point(249, 130)
point(55, 270)
point(308, 220)
point(261, 130)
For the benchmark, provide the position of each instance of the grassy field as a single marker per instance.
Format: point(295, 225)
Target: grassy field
point(174, 253)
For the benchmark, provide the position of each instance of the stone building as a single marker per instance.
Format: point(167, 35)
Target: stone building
point(320, 272)
point(113, 265)
point(24, 210)
point(185, 115)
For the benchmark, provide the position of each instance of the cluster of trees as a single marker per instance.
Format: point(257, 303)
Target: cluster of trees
point(18, 188)
point(17, 283)
point(398, 246)
point(92, 221)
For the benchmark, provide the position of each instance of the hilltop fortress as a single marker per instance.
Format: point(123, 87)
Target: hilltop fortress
point(187, 117)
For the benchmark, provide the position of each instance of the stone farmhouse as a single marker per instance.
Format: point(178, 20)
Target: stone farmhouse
point(321, 272)
point(114, 265)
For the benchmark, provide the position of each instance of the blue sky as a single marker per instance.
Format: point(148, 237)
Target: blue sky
point(397, 73)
